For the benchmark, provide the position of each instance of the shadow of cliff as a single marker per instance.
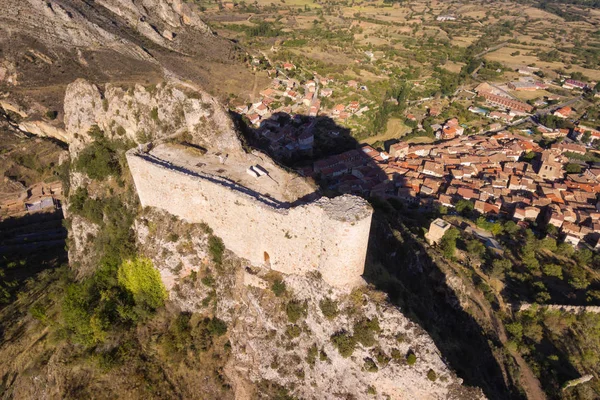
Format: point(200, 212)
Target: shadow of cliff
point(29, 245)
point(397, 264)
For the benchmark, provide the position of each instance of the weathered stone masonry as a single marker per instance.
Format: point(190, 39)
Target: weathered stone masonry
point(326, 235)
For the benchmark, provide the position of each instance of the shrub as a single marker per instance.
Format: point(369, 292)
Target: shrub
point(99, 159)
point(448, 242)
point(311, 356)
point(344, 343)
point(370, 365)
point(411, 358)
point(216, 248)
point(154, 114)
point(323, 355)
point(51, 114)
point(431, 375)
point(553, 270)
point(364, 331)
point(381, 357)
point(329, 308)
point(216, 327)
point(91, 209)
point(173, 237)
point(38, 312)
point(208, 280)
point(278, 287)
point(293, 331)
point(295, 310)
point(140, 278)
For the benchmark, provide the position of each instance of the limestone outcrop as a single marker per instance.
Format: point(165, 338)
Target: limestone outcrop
point(299, 356)
point(142, 114)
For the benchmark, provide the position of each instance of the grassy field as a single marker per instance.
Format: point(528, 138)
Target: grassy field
point(395, 130)
point(420, 140)
point(503, 55)
point(525, 95)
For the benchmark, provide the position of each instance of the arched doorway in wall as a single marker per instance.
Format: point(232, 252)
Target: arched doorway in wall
point(267, 259)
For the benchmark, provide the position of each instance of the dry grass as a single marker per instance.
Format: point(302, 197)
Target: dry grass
point(503, 55)
point(526, 95)
point(453, 66)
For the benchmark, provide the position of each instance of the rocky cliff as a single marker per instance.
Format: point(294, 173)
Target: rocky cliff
point(145, 113)
point(296, 350)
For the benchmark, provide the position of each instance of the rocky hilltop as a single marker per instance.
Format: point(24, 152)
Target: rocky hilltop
point(145, 113)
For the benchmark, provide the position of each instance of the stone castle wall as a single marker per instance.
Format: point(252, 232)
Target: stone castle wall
point(327, 235)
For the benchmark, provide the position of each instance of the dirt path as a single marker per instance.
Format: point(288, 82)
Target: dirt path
point(527, 379)
point(254, 88)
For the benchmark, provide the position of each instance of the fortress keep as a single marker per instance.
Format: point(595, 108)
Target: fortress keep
point(261, 212)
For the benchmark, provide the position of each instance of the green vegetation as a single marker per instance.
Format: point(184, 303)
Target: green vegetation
point(411, 358)
point(216, 249)
point(365, 330)
point(278, 287)
point(370, 365)
point(448, 242)
point(295, 310)
point(51, 114)
point(143, 281)
point(344, 342)
point(100, 159)
point(431, 375)
point(329, 308)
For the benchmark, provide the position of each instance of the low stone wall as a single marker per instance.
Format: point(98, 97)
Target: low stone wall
point(327, 235)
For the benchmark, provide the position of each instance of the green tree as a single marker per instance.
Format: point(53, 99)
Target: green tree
point(143, 281)
point(448, 242)
point(573, 168)
point(500, 266)
point(464, 206)
point(475, 248)
point(553, 270)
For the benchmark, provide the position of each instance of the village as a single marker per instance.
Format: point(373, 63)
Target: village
point(500, 170)
point(483, 170)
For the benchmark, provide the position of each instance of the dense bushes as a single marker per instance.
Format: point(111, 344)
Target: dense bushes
point(329, 308)
point(364, 333)
point(100, 159)
point(143, 281)
point(216, 248)
point(191, 332)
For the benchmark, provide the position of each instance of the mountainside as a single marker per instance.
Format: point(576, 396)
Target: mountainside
point(46, 45)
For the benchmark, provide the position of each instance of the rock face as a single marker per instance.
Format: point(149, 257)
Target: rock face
point(142, 114)
point(299, 355)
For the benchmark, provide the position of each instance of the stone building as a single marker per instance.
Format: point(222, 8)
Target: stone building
point(437, 229)
point(269, 219)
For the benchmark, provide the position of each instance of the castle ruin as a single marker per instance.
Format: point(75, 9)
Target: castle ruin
point(262, 213)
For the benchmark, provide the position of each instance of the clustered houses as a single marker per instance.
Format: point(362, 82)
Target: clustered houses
point(39, 197)
point(483, 170)
point(287, 96)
